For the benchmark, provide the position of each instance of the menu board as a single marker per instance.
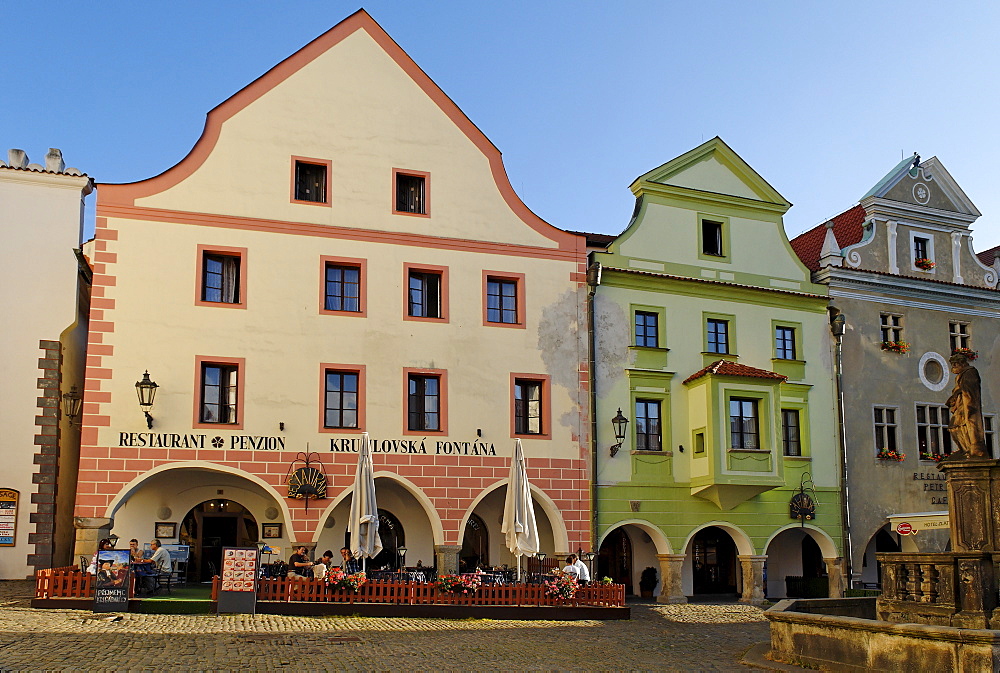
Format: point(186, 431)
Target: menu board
point(8, 516)
point(238, 592)
point(112, 581)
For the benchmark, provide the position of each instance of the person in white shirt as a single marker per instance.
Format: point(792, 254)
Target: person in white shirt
point(161, 563)
point(582, 570)
point(570, 568)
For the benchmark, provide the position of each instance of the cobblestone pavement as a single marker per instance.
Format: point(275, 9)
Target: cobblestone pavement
point(658, 637)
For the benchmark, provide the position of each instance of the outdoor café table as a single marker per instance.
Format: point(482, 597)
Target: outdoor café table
point(396, 576)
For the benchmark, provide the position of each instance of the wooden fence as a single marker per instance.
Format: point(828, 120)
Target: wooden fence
point(419, 593)
point(65, 582)
point(69, 582)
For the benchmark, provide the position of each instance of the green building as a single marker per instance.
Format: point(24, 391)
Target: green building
point(712, 341)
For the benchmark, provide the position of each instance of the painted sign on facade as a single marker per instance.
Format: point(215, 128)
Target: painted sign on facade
point(8, 516)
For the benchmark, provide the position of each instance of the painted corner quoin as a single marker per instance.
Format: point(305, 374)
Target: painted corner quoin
point(434, 393)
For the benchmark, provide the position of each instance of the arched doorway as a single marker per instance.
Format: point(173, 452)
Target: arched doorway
point(391, 532)
point(212, 525)
point(871, 569)
point(715, 566)
point(475, 544)
point(614, 559)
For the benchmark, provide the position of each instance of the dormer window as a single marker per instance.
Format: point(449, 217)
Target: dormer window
point(923, 252)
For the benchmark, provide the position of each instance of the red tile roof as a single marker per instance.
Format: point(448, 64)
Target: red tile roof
point(727, 368)
point(988, 256)
point(594, 240)
point(847, 227)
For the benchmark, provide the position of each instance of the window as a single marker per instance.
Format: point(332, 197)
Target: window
point(424, 295)
point(885, 429)
point(341, 399)
point(310, 181)
point(790, 443)
point(343, 286)
point(892, 327)
point(718, 336)
point(647, 426)
point(743, 426)
point(959, 333)
point(933, 438)
point(920, 248)
point(219, 393)
point(424, 403)
point(699, 442)
point(527, 407)
point(646, 329)
point(503, 302)
point(221, 277)
point(784, 342)
point(411, 192)
point(711, 238)
point(989, 430)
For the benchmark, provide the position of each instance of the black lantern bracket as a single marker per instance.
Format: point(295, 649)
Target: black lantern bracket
point(146, 390)
point(802, 506)
point(620, 423)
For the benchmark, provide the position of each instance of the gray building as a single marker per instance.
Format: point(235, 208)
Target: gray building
point(903, 275)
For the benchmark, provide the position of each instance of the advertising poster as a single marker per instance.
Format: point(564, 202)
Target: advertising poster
point(8, 516)
point(238, 592)
point(113, 579)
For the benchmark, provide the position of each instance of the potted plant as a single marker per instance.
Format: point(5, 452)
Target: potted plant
point(969, 354)
point(924, 263)
point(890, 455)
point(900, 347)
point(647, 582)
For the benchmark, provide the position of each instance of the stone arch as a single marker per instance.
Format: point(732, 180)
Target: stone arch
point(744, 546)
point(660, 540)
point(559, 532)
point(820, 536)
point(437, 528)
point(130, 489)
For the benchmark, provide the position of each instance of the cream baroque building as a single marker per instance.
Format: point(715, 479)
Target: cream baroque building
point(44, 290)
point(341, 252)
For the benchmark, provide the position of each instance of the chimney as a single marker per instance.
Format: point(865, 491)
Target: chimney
point(54, 161)
point(17, 158)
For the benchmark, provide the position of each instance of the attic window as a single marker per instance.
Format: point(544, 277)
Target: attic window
point(711, 238)
point(412, 192)
point(311, 181)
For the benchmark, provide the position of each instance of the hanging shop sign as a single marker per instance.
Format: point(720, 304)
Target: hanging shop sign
point(238, 593)
point(114, 576)
point(8, 516)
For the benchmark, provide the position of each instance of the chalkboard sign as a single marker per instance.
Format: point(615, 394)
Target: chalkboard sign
point(8, 516)
point(238, 592)
point(114, 575)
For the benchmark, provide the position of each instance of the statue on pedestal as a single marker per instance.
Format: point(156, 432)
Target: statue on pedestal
point(965, 410)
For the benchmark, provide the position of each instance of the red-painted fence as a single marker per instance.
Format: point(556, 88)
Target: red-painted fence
point(69, 582)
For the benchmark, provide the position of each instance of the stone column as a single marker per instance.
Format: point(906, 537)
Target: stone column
point(974, 514)
point(835, 573)
point(88, 532)
point(753, 579)
point(447, 558)
point(671, 566)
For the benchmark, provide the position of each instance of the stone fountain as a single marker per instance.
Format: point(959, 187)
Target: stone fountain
point(937, 611)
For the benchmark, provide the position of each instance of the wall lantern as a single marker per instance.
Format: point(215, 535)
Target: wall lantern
point(620, 423)
point(588, 558)
point(401, 551)
point(72, 402)
point(113, 539)
point(146, 390)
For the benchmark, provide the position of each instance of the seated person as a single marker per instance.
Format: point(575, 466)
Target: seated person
point(103, 545)
point(161, 564)
point(350, 564)
point(324, 563)
point(135, 554)
point(299, 563)
point(571, 568)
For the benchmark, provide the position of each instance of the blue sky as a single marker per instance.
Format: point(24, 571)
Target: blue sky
point(581, 97)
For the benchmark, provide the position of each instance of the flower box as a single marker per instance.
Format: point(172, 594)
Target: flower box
point(933, 457)
point(967, 352)
point(562, 585)
point(889, 455)
point(924, 264)
point(338, 579)
point(459, 584)
point(901, 347)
